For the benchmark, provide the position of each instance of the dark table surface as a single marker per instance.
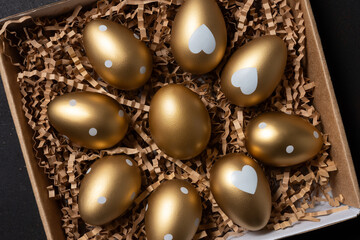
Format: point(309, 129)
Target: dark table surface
point(339, 29)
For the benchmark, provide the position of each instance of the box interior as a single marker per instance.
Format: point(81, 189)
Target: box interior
point(343, 181)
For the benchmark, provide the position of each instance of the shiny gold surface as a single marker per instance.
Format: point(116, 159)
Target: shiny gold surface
point(173, 211)
point(117, 55)
point(179, 122)
point(282, 140)
point(91, 120)
point(108, 189)
point(249, 210)
point(193, 14)
point(268, 56)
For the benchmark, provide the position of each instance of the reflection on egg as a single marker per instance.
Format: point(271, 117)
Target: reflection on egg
point(241, 190)
point(173, 212)
point(92, 120)
point(282, 140)
point(179, 122)
point(254, 70)
point(117, 54)
point(108, 189)
point(198, 37)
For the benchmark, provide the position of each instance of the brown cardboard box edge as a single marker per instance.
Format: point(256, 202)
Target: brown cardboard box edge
point(39, 182)
point(317, 69)
point(49, 210)
point(333, 124)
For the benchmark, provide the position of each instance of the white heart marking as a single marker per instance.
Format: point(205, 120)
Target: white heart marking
point(202, 39)
point(245, 180)
point(246, 79)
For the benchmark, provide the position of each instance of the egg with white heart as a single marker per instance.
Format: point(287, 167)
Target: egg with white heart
point(91, 120)
point(241, 190)
point(117, 54)
point(173, 211)
point(254, 70)
point(198, 37)
point(108, 189)
point(282, 140)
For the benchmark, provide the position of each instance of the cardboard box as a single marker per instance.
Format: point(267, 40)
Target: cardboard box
point(343, 181)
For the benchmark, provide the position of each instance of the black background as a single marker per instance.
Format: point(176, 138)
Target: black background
point(339, 29)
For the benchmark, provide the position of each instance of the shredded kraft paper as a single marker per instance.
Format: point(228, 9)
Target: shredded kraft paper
point(53, 62)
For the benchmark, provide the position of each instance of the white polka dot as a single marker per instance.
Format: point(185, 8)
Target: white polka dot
point(290, 149)
point(262, 125)
point(316, 134)
point(136, 36)
point(132, 196)
point(108, 63)
point(121, 113)
point(101, 200)
point(89, 170)
point(184, 190)
point(92, 131)
point(197, 221)
point(142, 69)
point(146, 208)
point(102, 28)
point(72, 102)
point(168, 237)
point(129, 162)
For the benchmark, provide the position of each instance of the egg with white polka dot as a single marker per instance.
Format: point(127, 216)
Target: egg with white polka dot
point(173, 211)
point(282, 140)
point(88, 119)
point(108, 189)
point(117, 54)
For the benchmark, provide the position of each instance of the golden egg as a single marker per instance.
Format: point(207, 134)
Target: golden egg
point(179, 122)
point(117, 54)
point(241, 190)
point(198, 37)
point(282, 140)
point(173, 211)
point(254, 70)
point(108, 189)
point(92, 120)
